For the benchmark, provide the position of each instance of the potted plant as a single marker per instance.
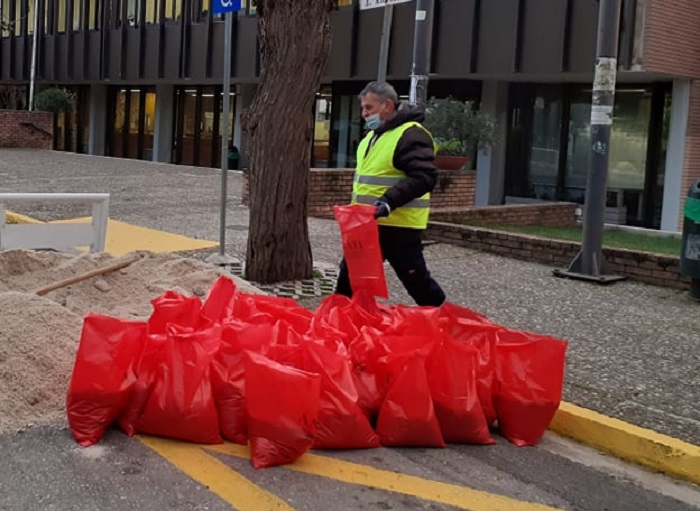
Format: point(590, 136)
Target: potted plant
point(458, 128)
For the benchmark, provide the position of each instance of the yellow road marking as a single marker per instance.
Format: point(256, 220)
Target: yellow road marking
point(225, 482)
point(435, 491)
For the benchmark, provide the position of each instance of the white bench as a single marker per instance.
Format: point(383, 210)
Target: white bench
point(57, 236)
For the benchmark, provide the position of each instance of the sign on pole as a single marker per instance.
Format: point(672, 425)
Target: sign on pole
point(224, 6)
point(371, 4)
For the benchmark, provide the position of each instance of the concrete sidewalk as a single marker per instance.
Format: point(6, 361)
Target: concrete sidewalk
point(634, 349)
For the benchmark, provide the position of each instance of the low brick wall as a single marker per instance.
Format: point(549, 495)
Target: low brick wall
point(661, 270)
point(21, 128)
point(555, 214)
point(328, 187)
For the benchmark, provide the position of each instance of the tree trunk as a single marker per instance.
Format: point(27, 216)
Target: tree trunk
point(295, 43)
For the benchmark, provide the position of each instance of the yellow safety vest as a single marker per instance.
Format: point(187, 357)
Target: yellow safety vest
point(375, 174)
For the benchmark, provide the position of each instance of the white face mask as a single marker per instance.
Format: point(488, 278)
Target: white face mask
point(373, 122)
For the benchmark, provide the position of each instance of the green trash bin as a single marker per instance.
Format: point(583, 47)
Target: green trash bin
point(690, 252)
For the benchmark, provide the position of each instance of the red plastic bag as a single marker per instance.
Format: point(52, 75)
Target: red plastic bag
point(407, 417)
point(258, 309)
point(360, 234)
point(180, 404)
point(530, 376)
point(228, 376)
point(452, 380)
point(340, 424)
point(218, 306)
point(465, 326)
point(175, 308)
point(282, 405)
point(103, 375)
point(367, 356)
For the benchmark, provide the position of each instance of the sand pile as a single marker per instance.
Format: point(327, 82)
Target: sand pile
point(39, 335)
point(38, 341)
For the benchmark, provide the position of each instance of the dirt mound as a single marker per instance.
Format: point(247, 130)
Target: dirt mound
point(39, 335)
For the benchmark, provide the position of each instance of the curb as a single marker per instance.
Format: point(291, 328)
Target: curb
point(638, 445)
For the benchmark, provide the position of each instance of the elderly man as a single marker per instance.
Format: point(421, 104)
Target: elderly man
point(395, 172)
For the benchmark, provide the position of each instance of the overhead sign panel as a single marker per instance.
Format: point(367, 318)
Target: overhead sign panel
point(371, 4)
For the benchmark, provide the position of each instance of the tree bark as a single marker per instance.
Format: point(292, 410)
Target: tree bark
point(295, 39)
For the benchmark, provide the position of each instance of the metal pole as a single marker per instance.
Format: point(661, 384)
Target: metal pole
point(384, 43)
point(422, 48)
point(589, 263)
point(221, 258)
point(35, 51)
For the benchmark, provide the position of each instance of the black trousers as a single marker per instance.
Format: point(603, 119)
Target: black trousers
point(403, 249)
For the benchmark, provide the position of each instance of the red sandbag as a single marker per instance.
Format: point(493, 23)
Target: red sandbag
point(251, 308)
point(146, 371)
point(180, 404)
point(452, 380)
point(470, 328)
point(218, 306)
point(360, 235)
point(368, 373)
point(282, 405)
point(407, 417)
point(175, 308)
point(228, 376)
point(340, 424)
point(103, 375)
point(529, 381)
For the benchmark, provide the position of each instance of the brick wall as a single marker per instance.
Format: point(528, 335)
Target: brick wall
point(21, 128)
point(328, 187)
point(672, 37)
point(556, 214)
point(655, 269)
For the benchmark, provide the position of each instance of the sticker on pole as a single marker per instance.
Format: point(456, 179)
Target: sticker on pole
point(224, 6)
point(372, 4)
point(605, 74)
point(601, 115)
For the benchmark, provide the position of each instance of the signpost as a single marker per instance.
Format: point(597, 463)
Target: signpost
point(225, 7)
point(589, 264)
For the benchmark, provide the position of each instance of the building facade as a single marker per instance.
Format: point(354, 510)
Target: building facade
point(147, 77)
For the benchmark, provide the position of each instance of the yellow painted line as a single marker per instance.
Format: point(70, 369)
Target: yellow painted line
point(218, 477)
point(638, 445)
point(123, 238)
point(18, 218)
point(425, 489)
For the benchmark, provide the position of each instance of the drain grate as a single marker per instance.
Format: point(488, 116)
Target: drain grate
point(322, 283)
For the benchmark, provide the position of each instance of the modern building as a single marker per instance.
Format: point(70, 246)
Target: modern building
point(147, 75)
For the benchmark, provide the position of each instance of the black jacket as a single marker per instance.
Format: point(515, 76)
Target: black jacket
point(414, 156)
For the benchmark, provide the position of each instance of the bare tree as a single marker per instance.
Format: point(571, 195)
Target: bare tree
point(295, 40)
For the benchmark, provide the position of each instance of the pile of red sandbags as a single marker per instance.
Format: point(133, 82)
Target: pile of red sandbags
point(353, 374)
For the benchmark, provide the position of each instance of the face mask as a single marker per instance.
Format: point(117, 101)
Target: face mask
point(373, 122)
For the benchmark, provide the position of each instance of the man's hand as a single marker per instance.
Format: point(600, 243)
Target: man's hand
point(383, 209)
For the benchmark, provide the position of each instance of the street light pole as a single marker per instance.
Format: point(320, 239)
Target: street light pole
point(35, 51)
point(422, 48)
point(590, 264)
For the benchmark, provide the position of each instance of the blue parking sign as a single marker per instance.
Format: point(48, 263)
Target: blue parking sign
point(222, 6)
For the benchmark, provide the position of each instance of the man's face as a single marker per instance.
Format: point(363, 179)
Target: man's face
point(372, 105)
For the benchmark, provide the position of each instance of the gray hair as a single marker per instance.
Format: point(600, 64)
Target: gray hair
point(382, 90)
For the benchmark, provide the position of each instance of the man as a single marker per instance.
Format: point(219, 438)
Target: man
point(396, 173)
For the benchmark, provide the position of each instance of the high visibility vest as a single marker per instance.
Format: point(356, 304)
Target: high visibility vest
point(375, 174)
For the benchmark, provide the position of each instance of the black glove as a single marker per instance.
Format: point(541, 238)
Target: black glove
point(383, 209)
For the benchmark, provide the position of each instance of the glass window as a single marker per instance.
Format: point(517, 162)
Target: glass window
point(94, 14)
point(61, 12)
point(544, 150)
point(77, 21)
point(322, 125)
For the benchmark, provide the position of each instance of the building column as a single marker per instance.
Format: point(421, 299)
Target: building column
point(491, 163)
point(97, 134)
point(244, 97)
point(676, 156)
point(164, 123)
